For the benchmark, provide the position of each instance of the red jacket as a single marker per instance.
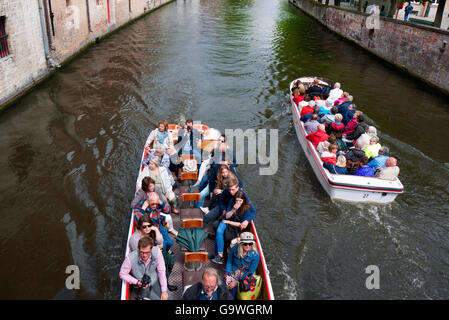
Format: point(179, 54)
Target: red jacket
point(297, 99)
point(316, 137)
point(329, 157)
point(306, 110)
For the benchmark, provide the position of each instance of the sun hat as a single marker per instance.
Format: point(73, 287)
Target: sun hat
point(247, 237)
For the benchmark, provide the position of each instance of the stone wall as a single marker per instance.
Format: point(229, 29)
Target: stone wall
point(79, 22)
point(419, 50)
point(26, 62)
point(76, 24)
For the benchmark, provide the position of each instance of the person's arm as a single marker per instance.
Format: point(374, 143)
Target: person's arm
point(230, 261)
point(150, 138)
point(205, 165)
point(254, 263)
point(125, 272)
point(161, 273)
point(140, 195)
point(165, 208)
point(248, 216)
point(144, 173)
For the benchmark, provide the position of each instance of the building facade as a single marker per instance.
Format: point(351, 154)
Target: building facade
point(38, 35)
point(22, 55)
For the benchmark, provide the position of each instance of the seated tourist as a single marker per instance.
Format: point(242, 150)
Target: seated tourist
point(324, 145)
point(364, 170)
point(164, 157)
point(329, 117)
point(312, 125)
point(148, 186)
point(390, 172)
point(372, 150)
point(353, 158)
point(310, 108)
point(223, 176)
point(326, 109)
point(365, 138)
point(360, 129)
point(318, 136)
point(161, 136)
point(225, 197)
point(350, 126)
point(240, 213)
point(149, 261)
point(243, 260)
point(339, 167)
point(308, 116)
point(343, 107)
point(299, 94)
point(315, 89)
point(349, 114)
point(330, 156)
point(342, 99)
point(379, 161)
point(210, 288)
point(161, 178)
point(337, 127)
point(146, 227)
point(335, 93)
point(159, 212)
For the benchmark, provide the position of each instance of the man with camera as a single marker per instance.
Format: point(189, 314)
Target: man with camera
point(144, 270)
point(189, 139)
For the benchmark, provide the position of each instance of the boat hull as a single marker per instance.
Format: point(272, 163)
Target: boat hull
point(344, 187)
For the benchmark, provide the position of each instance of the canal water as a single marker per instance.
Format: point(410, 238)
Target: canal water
point(71, 148)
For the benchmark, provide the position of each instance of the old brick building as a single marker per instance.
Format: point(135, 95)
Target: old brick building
point(38, 35)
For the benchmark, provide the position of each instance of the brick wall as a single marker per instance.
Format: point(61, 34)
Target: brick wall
point(26, 60)
point(417, 49)
point(77, 23)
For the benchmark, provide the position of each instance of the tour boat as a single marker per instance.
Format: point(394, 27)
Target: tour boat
point(341, 187)
point(176, 277)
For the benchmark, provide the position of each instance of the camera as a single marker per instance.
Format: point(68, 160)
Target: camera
point(189, 128)
point(145, 280)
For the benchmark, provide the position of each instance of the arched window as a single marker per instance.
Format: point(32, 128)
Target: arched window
point(3, 38)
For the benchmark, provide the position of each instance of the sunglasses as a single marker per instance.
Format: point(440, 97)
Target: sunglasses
point(154, 204)
point(147, 226)
point(247, 244)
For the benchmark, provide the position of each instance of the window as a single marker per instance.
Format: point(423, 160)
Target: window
point(3, 38)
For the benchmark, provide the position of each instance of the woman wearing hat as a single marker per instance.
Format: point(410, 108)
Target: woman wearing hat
point(239, 214)
point(161, 179)
point(243, 260)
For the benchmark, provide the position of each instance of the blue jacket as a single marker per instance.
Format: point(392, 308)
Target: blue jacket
point(251, 259)
point(378, 162)
point(364, 172)
point(335, 169)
